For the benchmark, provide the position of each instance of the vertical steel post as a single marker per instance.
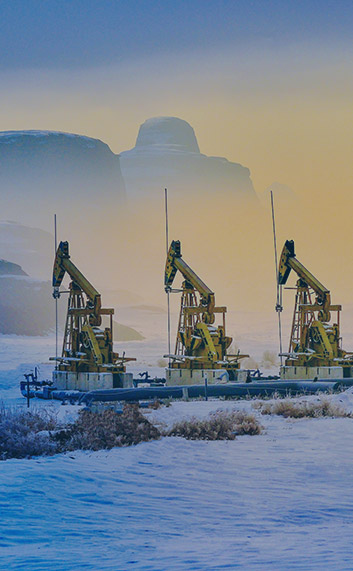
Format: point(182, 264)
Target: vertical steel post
point(167, 247)
point(28, 397)
point(206, 387)
point(279, 288)
point(56, 303)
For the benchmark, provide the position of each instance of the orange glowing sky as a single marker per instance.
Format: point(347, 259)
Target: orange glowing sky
point(267, 84)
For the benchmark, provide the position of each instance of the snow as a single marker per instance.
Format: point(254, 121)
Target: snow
point(256, 503)
point(12, 135)
point(280, 500)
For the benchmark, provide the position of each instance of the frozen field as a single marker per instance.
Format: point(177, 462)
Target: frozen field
point(281, 500)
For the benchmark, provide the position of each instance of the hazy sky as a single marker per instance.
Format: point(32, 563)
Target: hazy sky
point(267, 84)
point(85, 33)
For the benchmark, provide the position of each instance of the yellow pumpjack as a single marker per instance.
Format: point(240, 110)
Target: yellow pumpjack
point(315, 342)
point(88, 360)
point(201, 347)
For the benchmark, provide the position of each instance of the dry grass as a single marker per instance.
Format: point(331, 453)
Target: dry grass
point(107, 429)
point(155, 405)
point(220, 425)
point(302, 409)
point(36, 432)
point(24, 433)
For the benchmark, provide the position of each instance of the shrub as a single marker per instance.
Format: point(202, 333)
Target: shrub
point(220, 425)
point(155, 405)
point(107, 429)
point(25, 433)
point(246, 423)
point(303, 409)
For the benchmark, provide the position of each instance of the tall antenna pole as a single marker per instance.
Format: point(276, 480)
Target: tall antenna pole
point(279, 288)
point(56, 300)
point(167, 246)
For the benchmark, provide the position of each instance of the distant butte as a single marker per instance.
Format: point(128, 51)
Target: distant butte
point(167, 154)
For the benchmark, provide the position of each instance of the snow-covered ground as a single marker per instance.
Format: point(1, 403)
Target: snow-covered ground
point(280, 500)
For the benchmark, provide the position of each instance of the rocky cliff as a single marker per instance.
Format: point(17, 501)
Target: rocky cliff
point(167, 154)
point(10, 269)
point(45, 172)
point(26, 306)
point(31, 248)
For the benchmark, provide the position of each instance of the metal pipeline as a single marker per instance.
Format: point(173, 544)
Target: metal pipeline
point(239, 390)
point(348, 382)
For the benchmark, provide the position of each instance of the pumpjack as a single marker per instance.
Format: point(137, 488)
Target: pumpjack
point(88, 360)
point(201, 346)
point(315, 343)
